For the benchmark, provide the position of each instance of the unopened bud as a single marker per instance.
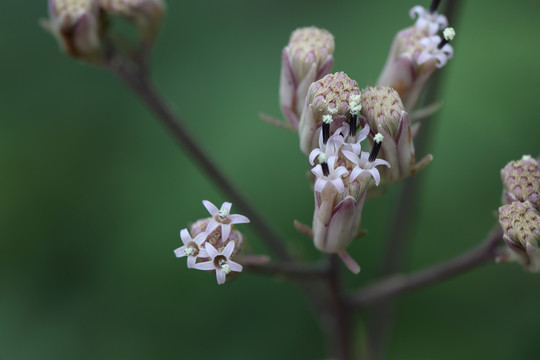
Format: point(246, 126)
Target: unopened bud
point(75, 24)
point(328, 98)
point(306, 58)
point(520, 222)
point(521, 180)
point(384, 112)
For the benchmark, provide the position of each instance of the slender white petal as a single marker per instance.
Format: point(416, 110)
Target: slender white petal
point(220, 276)
point(212, 225)
point(234, 266)
point(225, 231)
point(211, 250)
point(212, 209)
point(229, 248)
point(184, 235)
point(226, 206)
point(181, 251)
point(238, 219)
point(207, 265)
point(191, 261)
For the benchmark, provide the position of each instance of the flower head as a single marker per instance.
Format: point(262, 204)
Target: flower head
point(521, 180)
point(307, 58)
point(192, 247)
point(520, 222)
point(327, 106)
point(220, 261)
point(222, 217)
point(383, 110)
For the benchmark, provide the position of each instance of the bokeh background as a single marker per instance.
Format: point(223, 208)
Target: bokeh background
point(93, 191)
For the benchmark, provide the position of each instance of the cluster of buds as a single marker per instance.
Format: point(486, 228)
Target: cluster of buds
point(383, 110)
point(416, 52)
point(214, 242)
point(307, 58)
point(344, 171)
point(81, 29)
point(520, 217)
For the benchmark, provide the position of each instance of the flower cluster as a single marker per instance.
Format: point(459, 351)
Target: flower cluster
point(416, 53)
point(214, 242)
point(520, 217)
point(342, 176)
point(81, 28)
point(336, 116)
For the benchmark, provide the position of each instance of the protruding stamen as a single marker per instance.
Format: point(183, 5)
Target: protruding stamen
point(189, 251)
point(324, 165)
point(327, 120)
point(223, 214)
point(225, 268)
point(376, 147)
point(448, 35)
point(434, 6)
point(352, 124)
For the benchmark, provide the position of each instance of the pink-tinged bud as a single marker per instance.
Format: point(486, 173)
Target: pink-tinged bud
point(307, 58)
point(146, 14)
point(521, 180)
point(384, 112)
point(415, 54)
point(330, 101)
point(520, 222)
point(75, 23)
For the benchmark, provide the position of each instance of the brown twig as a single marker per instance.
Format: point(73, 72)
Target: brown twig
point(398, 284)
point(134, 75)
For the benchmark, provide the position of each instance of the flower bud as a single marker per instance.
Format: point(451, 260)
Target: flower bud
point(328, 102)
point(384, 112)
point(75, 23)
point(521, 180)
point(520, 222)
point(307, 58)
point(415, 54)
point(146, 14)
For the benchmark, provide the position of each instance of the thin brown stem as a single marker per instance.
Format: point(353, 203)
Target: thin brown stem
point(134, 76)
point(395, 285)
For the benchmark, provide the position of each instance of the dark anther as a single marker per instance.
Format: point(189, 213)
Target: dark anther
point(434, 6)
point(374, 151)
point(325, 169)
point(352, 124)
point(325, 132)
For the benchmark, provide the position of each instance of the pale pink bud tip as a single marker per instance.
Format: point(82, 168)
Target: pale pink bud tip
point(349, 262)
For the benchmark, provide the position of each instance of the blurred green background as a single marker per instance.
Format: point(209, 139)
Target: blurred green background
point(94, 191)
